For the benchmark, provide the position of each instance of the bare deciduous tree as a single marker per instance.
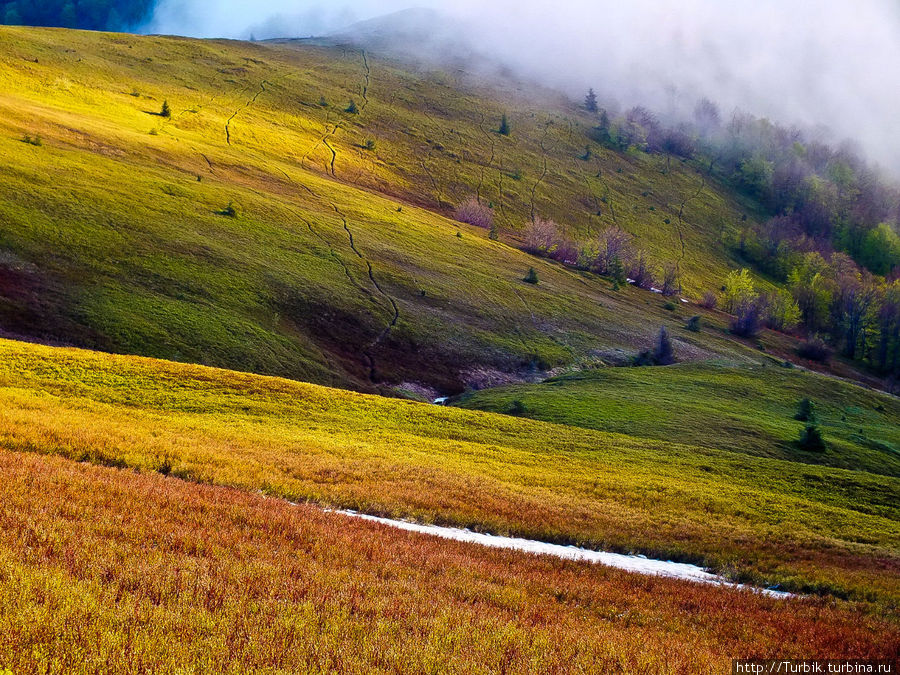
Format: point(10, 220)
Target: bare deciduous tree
point(671, 284)
point(475, 213)
point(613, 244)
point(541, 236)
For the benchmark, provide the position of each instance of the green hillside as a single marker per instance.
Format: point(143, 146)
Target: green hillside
point(257, 229)
point(747, 410)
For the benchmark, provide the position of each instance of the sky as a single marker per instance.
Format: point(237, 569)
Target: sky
point(828, 64)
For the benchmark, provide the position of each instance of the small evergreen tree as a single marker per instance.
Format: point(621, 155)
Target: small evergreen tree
point(352, 109)
point(504, 126)
point(494, 234)
point(617, 271)
point(663, 354)
point(694, 323)
point(811, 439)
point(806, 411)
point(590, 101)
point(166, 110)
point(531, 277)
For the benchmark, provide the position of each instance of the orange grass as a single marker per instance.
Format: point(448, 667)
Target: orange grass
point(106, 570)
point(813, 529)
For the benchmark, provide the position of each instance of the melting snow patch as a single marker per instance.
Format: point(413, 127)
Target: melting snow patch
point(441, 400)
point(631, 563)
point(655, 290)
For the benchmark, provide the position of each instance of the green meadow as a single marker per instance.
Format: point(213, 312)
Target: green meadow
point(257, 229)
point(747, 410)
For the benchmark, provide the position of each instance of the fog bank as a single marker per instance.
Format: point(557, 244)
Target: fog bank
point(831, 64)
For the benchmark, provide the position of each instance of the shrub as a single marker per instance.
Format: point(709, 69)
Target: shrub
point(517, 407)
point(639, 271)
point(32, 140)
point(351, 108)
point(230, 211)
point(671, 285)
point(747, 318)
point(814, 349)
point(531, 277)
point(694, 324)
point(474, 213)
point(663, 354)
point(613, 245)
point(669, 306)
point(709, 300)
point(811, 439)
point(370, 144)
point(165, 466)
point(166, 110)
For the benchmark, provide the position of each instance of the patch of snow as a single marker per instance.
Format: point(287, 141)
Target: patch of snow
point(655, 289)
point(685, 300)
point(631, 563)
point(631, 281)
point(441, 400)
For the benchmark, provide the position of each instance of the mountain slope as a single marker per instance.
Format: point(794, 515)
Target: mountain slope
point(335, 263)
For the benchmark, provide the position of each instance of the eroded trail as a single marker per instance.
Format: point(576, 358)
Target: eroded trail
point(543, 175)
point(262, 88)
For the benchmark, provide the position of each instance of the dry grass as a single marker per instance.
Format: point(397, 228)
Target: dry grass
point(105, 570)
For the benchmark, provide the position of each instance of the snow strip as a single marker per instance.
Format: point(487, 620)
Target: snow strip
point(441, 400)
point(631, 563)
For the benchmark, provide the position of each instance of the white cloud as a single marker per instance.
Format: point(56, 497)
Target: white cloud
point(820, 62)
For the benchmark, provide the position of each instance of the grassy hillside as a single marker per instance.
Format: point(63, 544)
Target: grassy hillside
point(158, 575)
point(336, 263)
point(810, 528)
point(748, 410)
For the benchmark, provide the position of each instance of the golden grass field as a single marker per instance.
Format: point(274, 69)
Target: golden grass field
point(112, 570)
point(813, 529)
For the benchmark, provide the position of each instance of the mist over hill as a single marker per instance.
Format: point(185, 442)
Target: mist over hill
point(827, 66)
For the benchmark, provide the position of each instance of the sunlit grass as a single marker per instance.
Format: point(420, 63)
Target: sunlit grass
point(810, 528)
point(127, 250)
point(748, 410)
point(115, 571)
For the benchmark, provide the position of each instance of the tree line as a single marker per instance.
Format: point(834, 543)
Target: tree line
point(85, 14)
point(818, 198)
point(835, 303)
